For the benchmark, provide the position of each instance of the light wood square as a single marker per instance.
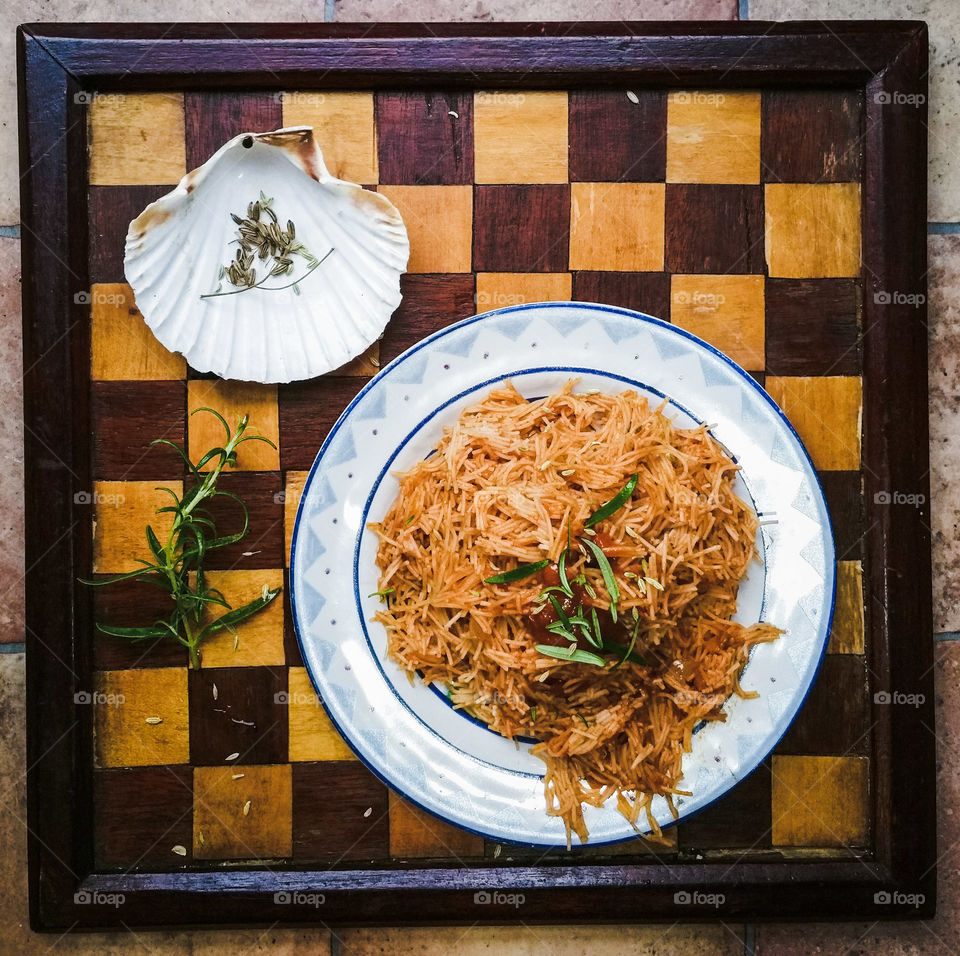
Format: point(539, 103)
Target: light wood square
point(233, 400)
point(122, 347)
point(820, 801)
point(123, 510)
point(826, 412)
point(725, 310)
point(495, 290)
point(243, 813)
point(294, 483)
point(812, 229)
point(617, 226)
point(713, 137)
point(312, 735)
point(520, 136)
point(414, 833)
point(439, 221)
point(136, 139)
point(344, 126)
point(846, 632)
point(259, 639)
point(124, 702)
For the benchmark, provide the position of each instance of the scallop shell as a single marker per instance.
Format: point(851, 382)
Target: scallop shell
point(176, 247)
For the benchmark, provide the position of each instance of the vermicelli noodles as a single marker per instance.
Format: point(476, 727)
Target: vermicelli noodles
point(516, 482)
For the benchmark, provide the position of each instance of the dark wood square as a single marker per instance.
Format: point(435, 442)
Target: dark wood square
point(127, 417)
point(714, 228)
point(213, 117)
point(425, 139)
point(739, 819)
point(132, 603)
point(644, 291)
point(307, 413)
point(140, 814)
point(291, 647)
point(844, 493)
point(339, 812)
point(430, 303)
point(263, 545)
point(812, 326)
point(111, 210)
point(615, 139)
point(521, 228)
point(830, 150)
point(248, 715)
point(835, 718)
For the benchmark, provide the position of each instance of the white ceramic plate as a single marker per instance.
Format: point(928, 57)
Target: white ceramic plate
point(445, 761)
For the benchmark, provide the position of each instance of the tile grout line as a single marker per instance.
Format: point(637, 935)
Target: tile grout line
point(12, 648)
point(10, 232)
point(947, 636)
point(742, 9)
point(942, 228)
point(329, 10)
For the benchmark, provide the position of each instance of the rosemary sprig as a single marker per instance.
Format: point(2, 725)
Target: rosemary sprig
point(178, 564)
point(517, 573)
point(614, 504)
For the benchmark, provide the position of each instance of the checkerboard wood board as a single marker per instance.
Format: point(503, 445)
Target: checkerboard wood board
point(735, 215)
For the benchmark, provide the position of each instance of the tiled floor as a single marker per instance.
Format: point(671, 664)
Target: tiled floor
point(939, 936)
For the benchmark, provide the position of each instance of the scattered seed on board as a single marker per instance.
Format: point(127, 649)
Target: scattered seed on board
point(238, 776)
point(453, 113)
point(200, 838)
point(214, 691)
point(632, 96)
point(154, 720)
point(233, 756)
point(179, 850)
point(246, 808)
point(368, 811)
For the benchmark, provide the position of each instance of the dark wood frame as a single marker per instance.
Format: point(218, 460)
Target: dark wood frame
point(57, 62)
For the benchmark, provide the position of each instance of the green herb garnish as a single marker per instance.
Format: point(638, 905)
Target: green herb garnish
point(577, 656)
point(518, 573)
point(178, 565)
point(633, 641)
point(608, 579)
point(382, 594)
point(614, 504)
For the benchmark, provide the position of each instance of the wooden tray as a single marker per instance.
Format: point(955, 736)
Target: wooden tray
point(725, 177)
